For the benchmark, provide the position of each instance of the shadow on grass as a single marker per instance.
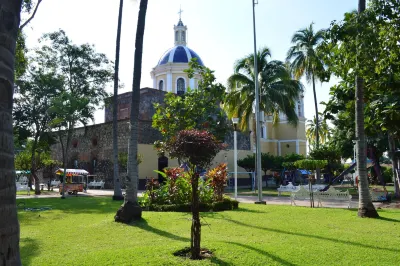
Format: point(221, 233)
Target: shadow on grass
point(313, 236)
point(217, 261)
point(75, 205)
point(29, 248)
point(388, 219)
point(264, 253)
point(142, 224)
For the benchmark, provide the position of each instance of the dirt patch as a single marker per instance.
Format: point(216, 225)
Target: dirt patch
point(185, 253)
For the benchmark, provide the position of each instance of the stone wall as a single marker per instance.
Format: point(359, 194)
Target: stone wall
point(148, 97)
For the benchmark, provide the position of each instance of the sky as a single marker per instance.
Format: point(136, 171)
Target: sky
point(219, 31)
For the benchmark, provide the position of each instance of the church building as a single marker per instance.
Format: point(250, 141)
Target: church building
point(91, 147)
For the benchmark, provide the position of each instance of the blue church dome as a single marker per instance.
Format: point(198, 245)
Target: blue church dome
point(179, 54)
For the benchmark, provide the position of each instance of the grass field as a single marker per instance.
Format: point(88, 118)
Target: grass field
point(81, 231)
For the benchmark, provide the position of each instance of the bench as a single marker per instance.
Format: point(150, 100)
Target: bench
point(333, 194)
point(330, 194)
point(288, 188)
point(300, 194)
point(54, 183)
point(379, 195)
point(95, 184)
point(23, 187)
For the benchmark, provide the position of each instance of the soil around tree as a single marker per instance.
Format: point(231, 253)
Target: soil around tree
point(127, 212)
point(186, 254)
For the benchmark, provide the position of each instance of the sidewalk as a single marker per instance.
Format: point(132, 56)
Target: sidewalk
point(242, 199)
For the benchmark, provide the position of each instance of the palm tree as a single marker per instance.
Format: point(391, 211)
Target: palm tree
point(117, 184)
point(278, 91)
point(324, 131)
point(9, 226)
point(131, 209)
point(304, 60)
point(365, 207)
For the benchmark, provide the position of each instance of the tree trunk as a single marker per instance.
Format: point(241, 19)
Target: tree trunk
point(9, 226)
point(318, 171)
point(365, 206)
point(33, 165)
point(131, 210)
point(395, 165)
point(196, 226)
point(117, 184)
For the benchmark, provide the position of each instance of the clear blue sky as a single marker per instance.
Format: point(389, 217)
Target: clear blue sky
point(220, 31)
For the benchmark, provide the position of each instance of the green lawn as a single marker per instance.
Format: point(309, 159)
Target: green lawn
point(81, 231)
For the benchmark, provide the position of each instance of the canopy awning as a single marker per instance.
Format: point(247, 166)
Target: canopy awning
point(22, 172)
point(72, 172)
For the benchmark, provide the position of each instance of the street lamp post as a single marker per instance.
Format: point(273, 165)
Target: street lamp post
point(235, 121)
point(257, 113)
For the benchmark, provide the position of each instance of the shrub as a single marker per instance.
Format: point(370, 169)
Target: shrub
point(387, 174)
point(218, 177)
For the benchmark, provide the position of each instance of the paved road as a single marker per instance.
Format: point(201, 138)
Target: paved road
point(242, 199)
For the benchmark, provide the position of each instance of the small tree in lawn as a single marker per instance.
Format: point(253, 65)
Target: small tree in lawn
point(198, 149)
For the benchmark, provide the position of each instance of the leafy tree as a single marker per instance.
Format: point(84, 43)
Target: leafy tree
point(305, 61)
point(373, 56)
point(85, 74)
point(9, 227)
point(131, 209)
point(332, 155)
point(248, 163)
point(37, 88)
point(197, 109)
point(277, 89)
point(117, 184)
point(324, 131)
point(198, 148)
point(23, 160)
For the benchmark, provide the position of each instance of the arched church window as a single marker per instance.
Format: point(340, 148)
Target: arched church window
point(161, 85)
point(180, 84)
point(183, 36)
point(176, 35)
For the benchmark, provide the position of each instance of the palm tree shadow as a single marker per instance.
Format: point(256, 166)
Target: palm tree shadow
point(220, 262)
point(317, 237)
point(264, 253)
point(388, 219)
point(29, 248)
point(142, 224)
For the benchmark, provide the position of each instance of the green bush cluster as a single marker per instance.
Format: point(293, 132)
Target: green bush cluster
point(175, 193)
point(225, 205)
point(387, 174)
point(310, 164)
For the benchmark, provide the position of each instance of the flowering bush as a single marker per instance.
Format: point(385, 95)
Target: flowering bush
point(217, 178)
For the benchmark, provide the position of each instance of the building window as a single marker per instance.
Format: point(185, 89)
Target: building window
point(74, 143)
point(161, 85)
point(94, 142)
point(299, 109)
point(183, 36)
point(263, 132)
point(180, 84)
point(176, 35)
point(123, 113)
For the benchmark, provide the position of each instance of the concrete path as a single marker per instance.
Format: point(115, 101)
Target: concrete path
point(243, 199)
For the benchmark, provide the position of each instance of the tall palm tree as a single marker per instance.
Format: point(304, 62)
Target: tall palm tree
point(117, 184)
point(278, 91)
point(304, 61)
point(324, 131)
point(131, 209)
point(9, 227)
point(365, 206)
